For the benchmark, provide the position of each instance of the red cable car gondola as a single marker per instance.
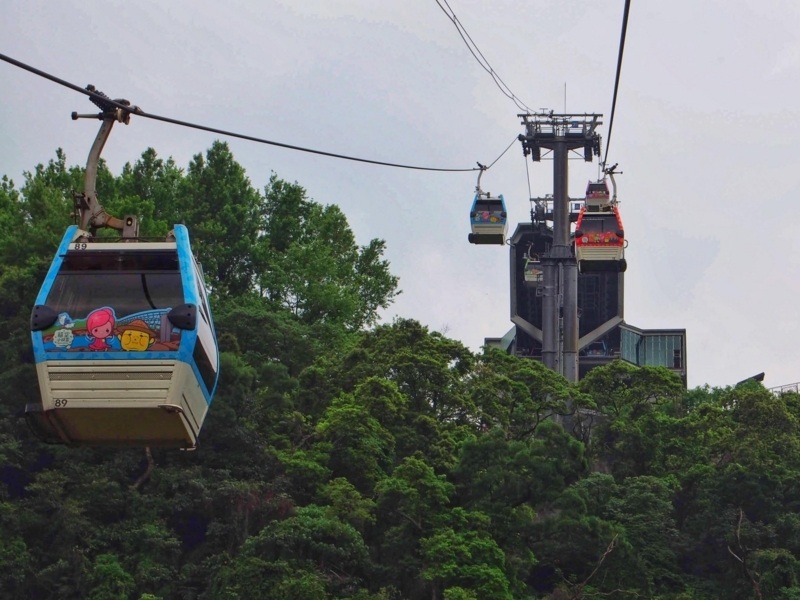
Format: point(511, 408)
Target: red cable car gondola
point(599, 234)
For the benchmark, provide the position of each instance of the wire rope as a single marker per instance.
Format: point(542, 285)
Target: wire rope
point(528, 179)
point(139, 112)
point(503, 154)
point(470, 43)
point(616, 78)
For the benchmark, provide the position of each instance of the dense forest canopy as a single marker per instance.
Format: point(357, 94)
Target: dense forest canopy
point(343, 458)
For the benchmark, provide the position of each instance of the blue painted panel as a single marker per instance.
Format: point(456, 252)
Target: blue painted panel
point(191, 288)
point(69, 338)
point(110, 356)
point(38, 346)
point(73, 345)
point(213, 334)
point(53, 271)
point(484, 217)
point(189, 281)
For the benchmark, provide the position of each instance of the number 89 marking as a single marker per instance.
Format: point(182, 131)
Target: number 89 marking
point(79, 246)
point(60, 403)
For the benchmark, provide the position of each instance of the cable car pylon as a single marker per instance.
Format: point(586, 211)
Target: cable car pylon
point(123, 340)
point(560, 134)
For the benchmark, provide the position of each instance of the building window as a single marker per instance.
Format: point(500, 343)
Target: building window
point(677, 361)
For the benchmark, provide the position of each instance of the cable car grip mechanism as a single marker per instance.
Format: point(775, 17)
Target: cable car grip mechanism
point(478, 189)
point(88, 212)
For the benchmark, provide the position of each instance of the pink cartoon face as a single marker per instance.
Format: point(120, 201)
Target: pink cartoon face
point(102, 331)
point(100, 323)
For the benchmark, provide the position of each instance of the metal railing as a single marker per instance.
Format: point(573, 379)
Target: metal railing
point(789, 388)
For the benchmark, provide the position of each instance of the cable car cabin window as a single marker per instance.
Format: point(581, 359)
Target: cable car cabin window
point(488, 206)
point(205, 367)
point(78, 294)
point(594, 225)
point(120, 261)
point(115, 302)
point(204, 308)
point(202, 294)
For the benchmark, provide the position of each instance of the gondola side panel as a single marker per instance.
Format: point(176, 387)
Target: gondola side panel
point(118, 313)
point(202, 352)
point(109, 367)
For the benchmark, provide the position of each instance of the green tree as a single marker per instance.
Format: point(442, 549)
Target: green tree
point(517, 395)
point(308, 262)
point(109, 581)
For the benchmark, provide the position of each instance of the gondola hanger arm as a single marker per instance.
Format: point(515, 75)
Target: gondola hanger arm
point(481, 170)
point(91, 214)
point(611, 171)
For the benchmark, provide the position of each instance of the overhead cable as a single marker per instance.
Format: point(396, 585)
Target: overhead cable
point(473, 48)
point(514, 141)
point(616, 79)
point(139, 112)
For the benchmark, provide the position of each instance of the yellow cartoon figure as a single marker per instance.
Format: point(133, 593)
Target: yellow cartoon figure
point(136, 336)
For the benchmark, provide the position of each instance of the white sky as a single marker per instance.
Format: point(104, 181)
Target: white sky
point(705, 133)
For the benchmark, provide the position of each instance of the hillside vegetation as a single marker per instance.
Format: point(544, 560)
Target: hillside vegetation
point(343, 458)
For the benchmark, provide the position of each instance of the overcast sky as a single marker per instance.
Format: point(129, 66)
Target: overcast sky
point(706, 134)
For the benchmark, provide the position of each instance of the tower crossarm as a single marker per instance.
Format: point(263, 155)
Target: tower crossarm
point(569, 131)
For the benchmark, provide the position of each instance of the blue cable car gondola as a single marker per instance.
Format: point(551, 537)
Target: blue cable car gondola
point(123, 339)
point(488, 217)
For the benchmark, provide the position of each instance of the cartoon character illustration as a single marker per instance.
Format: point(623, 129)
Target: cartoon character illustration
point(100, 327)
point(63, 338)
point(136, 336)
point(65, 321)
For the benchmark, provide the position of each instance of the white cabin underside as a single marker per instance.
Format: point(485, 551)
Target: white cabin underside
point(119, 402)
point(598, 252)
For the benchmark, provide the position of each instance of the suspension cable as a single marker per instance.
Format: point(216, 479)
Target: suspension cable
point(528, 178)
point(502, 154)
point(619, 69)
point(473, 48)
point(139, 112)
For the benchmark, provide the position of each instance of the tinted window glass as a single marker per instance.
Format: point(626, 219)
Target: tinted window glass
point(592, 225)
point(121, 261)
point(597, 188)
point(78, 293)
point(202, 294)
point(207, 371)
point(489, 206)
point(115, 301)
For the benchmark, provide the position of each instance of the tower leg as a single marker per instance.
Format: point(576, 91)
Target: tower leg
point(570, 370)
point(550, 314)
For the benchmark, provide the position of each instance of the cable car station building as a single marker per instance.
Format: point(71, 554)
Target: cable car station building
point(568, 285)
point(603, 334)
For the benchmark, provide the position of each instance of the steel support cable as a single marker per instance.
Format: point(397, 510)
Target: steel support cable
point(498, 80)
point(528, 179)
point(619, 69)
point(516, 139)
point(462, 31)
point(482, 61)
point(137, 111)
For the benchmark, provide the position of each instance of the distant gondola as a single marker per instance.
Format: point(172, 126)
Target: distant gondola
point(534, 274)
point(488, 217)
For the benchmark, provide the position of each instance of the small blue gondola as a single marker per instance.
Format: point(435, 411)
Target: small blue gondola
point(125, 348)
point(488, 219)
